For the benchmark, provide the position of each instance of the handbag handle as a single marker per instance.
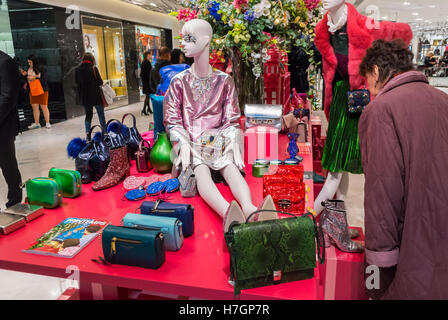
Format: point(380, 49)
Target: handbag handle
point(317, 231)
point(112, 120)
point(89, 134)
point(133, 117)
point(140, 145)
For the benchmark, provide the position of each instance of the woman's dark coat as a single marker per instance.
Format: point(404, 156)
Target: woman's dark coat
point(88, 80)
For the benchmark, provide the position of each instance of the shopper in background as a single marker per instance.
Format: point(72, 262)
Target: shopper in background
point(162, 61)
point(9, 127)
point(37, 73)
point(404, 145)
point(88, 80)
point(177, 56)
point(146, 75)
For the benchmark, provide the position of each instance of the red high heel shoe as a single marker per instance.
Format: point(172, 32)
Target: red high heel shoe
point(117, 170)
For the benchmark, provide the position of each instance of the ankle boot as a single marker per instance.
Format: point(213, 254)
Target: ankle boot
point(117, 170)
point(335, 227)
point(340, 205)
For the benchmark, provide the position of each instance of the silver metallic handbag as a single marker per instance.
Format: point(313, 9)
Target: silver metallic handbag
point(263, 115)
point(187, 182)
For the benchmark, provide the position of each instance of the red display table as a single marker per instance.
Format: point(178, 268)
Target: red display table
point(200, 269)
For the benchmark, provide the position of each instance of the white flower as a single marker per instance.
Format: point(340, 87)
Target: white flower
point(266, 4)
point(258, 10)
point(266, 11)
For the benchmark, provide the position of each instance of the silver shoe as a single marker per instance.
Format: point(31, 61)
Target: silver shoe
point(233, 214)
point(333, 222)
point(340, 205)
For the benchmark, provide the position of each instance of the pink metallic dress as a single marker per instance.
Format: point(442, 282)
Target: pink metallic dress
point(195, 107)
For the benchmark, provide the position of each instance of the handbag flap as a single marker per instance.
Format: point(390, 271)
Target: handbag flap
point(271, 111)
point(259, 249)
point(166, 223)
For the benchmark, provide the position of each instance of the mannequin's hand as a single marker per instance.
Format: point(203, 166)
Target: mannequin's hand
point(237, 158)
point(184, 157)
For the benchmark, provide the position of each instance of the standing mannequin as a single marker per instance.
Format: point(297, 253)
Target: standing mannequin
point(198, 100)
point(342, 37)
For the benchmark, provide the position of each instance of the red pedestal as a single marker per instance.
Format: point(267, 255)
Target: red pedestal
point(260, 143)
point(342, 275)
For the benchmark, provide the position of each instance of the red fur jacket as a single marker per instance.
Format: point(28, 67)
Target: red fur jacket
point(362, 31)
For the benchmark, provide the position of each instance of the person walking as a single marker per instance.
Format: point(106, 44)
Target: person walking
point(162, 61)
point(37, 73)
point(145, 75)
point(88, 80)
point(403, 136)
point(9, 127)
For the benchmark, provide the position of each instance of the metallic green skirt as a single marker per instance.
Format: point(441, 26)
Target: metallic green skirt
point(342, 151)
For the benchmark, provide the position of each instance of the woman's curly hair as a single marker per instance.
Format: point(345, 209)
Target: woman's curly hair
point(391, 57)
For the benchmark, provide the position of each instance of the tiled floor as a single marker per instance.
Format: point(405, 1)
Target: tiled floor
point(41, 149)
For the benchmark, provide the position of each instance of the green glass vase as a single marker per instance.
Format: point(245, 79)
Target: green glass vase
point(161, 154)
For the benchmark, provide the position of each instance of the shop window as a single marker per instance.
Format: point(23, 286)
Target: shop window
point(104, 39)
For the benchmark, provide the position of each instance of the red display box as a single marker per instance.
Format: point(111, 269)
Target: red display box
point(342, 275)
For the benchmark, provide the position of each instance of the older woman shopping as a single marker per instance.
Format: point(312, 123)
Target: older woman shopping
point(404, 147)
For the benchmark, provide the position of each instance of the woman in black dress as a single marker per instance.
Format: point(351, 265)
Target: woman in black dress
point(145, 74)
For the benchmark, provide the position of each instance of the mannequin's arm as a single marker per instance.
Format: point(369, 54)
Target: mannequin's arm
point(393, 30)
point(230, 122)
point(173, 121)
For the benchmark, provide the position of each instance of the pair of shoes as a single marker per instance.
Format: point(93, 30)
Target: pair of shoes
point(269, 205)
point(233, 214)
point(117, 170)
point(48, 126)
point(333, 221)
point(144, 112)
point(34, 126)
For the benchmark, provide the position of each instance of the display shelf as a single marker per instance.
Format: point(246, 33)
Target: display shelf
point(200, 269)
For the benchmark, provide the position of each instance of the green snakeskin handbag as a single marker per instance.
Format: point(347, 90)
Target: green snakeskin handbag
point(69, 180)
point(274, 251)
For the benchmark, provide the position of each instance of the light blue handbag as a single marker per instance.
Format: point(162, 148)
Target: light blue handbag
point(171, 228)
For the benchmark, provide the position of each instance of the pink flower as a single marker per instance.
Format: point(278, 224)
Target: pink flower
point(311, 4)
point(240, 3)
point(187, 15)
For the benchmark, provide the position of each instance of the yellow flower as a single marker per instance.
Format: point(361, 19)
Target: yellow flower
point(302, 25)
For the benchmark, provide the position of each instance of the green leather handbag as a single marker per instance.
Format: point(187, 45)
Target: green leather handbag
point(274, 251)
point(69, 180)
point(45, 192)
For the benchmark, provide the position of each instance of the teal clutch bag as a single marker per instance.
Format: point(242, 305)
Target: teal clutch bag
point(45, 192)
point(274, 251)
point(133, 247)
point(69, 180)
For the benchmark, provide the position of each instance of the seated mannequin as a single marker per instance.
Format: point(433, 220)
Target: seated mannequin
point(198, 101)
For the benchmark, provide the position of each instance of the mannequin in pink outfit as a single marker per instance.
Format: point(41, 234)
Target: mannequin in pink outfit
point(198, 100)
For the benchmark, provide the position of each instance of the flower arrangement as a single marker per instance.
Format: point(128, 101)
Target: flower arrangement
point(251, 27)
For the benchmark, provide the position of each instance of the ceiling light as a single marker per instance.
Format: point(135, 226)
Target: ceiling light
point(432, 6)
point(415, 13)
point(385, 18)
point(419, 19)
point(406, 3)
point(153, 4)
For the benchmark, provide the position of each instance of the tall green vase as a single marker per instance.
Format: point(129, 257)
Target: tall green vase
point(161, 154)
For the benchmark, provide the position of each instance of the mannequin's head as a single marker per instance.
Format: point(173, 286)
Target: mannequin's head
point(196, 37)
point(331, 5)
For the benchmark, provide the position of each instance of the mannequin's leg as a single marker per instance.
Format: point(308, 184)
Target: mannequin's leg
point(239, 187)
point(330, 188)
point(341, 194)
point(208, 191)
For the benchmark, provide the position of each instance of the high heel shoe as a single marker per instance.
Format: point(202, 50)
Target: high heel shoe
point(233, 214)
point(268, 204)
point(333, 222)
point(117, 170)
point(340, 205)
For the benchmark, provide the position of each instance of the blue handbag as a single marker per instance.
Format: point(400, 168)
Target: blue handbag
point(133, 246)
point(183, 212)
point(171, 228)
